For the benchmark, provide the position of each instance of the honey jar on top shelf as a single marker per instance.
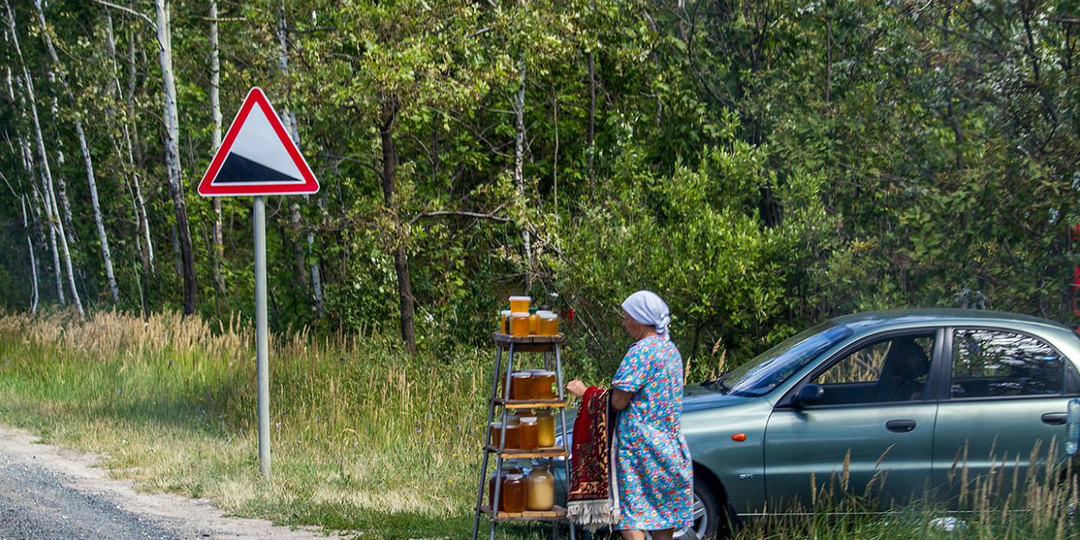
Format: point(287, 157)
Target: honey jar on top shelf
point(549, 324)
point(534, 322)
point(519, 323)
point(520, 304)
point(504, 321)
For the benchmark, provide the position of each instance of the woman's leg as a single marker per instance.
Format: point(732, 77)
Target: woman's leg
point(635, 535)
point(662, 535)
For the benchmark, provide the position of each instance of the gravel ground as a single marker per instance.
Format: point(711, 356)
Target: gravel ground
point(48, 493)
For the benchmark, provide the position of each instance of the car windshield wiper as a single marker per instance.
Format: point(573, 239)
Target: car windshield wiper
point(718, 383)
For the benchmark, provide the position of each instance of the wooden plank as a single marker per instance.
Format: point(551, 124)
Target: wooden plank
point(555, 514)
point(554, 451)
point(528, 343)
point(531, 404)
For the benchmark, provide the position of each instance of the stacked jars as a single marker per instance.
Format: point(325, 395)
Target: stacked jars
point(521, 320)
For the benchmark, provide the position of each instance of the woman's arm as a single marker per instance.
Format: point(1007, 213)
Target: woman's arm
point(620, 399)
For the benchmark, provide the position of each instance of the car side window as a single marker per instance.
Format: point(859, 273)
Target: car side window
point(997, 363)
point(889, 370)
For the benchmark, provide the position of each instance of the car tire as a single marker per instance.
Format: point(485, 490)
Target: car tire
point(712, 518)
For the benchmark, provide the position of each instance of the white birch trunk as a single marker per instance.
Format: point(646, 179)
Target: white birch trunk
point(46, 173)
point(218, 248)
point(88, 161)
point(33, 259)
point(519, 167)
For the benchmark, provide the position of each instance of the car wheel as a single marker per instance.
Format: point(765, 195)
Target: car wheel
point(710, 516)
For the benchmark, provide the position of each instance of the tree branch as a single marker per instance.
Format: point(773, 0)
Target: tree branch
point(129, 11)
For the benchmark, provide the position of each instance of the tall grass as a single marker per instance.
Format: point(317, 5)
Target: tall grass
point(363, 436)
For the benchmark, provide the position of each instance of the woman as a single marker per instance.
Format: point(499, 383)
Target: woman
point(652, 460)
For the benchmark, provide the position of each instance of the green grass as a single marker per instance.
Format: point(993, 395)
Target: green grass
point(364, 438)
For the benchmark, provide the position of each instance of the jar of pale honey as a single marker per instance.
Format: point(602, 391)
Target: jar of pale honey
point(513, 493)
point(520, 304)
point(540, 489)
point(545, 428)
point(549, 324)
point(528, 436)
point(521, 387)
point(519, 323)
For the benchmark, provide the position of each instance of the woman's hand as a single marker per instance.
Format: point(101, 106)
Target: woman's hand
point(576, 387)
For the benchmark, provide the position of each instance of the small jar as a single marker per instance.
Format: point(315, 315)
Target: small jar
point(545, 428)
point(504, 321)
point(549, 324)
point(519, 323)
point(534, 322)
point(540, 489)
point(520, 304)
point(496, 434)
point(528, 436)
point(521, 386)
point(512, 439)
point(513, 493)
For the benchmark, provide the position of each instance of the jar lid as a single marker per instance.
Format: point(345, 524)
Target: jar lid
point(496, 424)
point(548, 315)
point(533, 310)
point(528, 420)
point(542, 372)
point(505, 312)
point(518, 298)
point(515, 476)
point(521, 375)
point(520, 314)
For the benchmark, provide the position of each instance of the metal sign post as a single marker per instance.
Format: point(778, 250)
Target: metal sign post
point(258, 216)
point(258, 158)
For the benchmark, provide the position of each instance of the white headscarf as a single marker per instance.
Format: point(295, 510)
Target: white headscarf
point(646, 307)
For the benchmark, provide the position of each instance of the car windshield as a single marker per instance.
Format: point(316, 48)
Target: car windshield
point(771, 368)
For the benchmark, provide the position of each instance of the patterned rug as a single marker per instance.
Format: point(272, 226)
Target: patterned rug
point(593, 500)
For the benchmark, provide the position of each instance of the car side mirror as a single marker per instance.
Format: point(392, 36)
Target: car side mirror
point(811, 394)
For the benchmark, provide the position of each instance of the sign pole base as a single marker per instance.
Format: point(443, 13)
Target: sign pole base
point(261, 337)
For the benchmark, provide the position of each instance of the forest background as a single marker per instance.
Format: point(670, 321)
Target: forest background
point(761, 164)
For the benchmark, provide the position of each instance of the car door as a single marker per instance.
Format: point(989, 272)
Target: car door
point(1004, 405)
point(871, 433)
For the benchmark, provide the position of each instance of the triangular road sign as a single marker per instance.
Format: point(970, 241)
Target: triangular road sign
point(257, 156)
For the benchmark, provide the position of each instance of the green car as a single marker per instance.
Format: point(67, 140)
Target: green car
point(903, 401)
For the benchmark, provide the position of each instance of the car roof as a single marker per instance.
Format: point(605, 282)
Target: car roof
point(877, 320)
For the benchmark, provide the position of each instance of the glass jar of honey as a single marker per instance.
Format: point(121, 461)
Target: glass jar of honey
point(543, 384)
point(534, 322)
point(528, 434)
point(549, 324)
point(519, 323)
point(512, 436)
point(496, 434)
point(513, 493)
point(498, 476)
point(545, 428)
point(521, 386)
point(540, 489)
point(520, 304)
point(504, 321)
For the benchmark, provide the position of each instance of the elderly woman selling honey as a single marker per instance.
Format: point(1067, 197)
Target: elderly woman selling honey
point(653, 468)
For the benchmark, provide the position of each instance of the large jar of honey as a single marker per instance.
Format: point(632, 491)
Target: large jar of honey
point(498, 476)
point(545, 428)
point(521, 386)
point(528, 436)
point(520, 304)
point(540, 489)
point(543, 384)
point(549, 324)
point(513, 493)
point(519, 323)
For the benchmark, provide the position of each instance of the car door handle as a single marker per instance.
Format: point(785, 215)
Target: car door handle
point(1054, 418)
point(900, 426)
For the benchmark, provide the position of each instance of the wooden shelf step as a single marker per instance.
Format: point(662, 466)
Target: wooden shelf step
point(528, 343)
point(555, 514)
point(531, 404)
point(554, 451)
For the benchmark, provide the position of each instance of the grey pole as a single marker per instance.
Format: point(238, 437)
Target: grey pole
point(261, 341)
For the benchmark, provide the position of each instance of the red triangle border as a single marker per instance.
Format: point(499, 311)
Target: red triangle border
point(207, 188)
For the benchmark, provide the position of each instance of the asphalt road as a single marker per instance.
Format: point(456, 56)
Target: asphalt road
point(49, 493)
point(37, 504)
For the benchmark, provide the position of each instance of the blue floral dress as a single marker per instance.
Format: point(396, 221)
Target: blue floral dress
point(652, 460)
